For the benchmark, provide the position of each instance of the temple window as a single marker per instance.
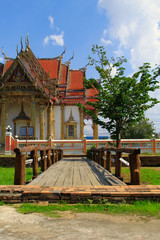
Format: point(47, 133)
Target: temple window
point(71, 128)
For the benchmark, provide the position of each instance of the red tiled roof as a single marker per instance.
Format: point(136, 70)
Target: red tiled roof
point(64, 74)
point(8, 64)
point(50, 66)
point(91, 92)
point(76, 80)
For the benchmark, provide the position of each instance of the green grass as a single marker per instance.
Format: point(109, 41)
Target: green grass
point(140, 208)
point(149, 175)
point(7, 175)
point(1, 203)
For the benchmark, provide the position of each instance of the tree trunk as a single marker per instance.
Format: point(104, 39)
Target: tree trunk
point(118, 136)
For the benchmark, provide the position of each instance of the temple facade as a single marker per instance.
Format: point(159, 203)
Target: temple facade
point(38, 97)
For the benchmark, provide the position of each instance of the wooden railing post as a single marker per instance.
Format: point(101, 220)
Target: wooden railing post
point(54, 156)
point(118, 165)
point(96, 152)
point(35, 163)
point(61, 154)
point(135, 165)
point(43, 160)
point(108, 161)
point(102, 157)
point(99, 156)
point(19, 177)
point(49, 162)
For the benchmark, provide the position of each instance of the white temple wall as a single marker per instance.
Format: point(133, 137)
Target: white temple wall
point(57, 122)
point(13, 111)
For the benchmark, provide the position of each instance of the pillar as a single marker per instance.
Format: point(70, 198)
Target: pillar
point(49, 122)
point(3, 120)
point(33, 114)
point(53, 122)
point(95, 127)
point(41, 119)
point(62, 121)
point(81, 123)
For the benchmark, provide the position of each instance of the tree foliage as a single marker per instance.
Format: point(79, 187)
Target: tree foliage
point(140, 130)
point(122, 100)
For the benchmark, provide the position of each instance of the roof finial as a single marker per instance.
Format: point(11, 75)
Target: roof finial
point(71, 57)
point(27, 40)
point(87, 65)
point(17, 49)
point(3, 52)
point(21, 45)
point(63, 51)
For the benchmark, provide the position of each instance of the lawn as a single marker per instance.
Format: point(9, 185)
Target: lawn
point(149, 175)
point(7, 175)
point(140, 208)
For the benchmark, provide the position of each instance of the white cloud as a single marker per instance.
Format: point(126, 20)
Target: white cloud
point(1, 59)
point(55, 39)
point(105, 42)
point(51, 19)
point(46, 40)
point(135, 24)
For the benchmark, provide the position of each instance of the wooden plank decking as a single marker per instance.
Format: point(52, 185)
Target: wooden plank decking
point(76, 172)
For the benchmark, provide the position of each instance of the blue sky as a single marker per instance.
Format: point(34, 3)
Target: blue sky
point(129, 28)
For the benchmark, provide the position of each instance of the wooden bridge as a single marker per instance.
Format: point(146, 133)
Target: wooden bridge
point(66, 172)
point(76, 172)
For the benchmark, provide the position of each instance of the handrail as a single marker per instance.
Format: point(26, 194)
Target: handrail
point(48, 156)
point(103, 159)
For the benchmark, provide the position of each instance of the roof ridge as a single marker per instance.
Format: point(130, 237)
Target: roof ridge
point(55, 58)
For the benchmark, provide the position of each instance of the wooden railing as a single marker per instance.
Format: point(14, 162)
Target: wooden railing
point(48, 156)
point(103, 156)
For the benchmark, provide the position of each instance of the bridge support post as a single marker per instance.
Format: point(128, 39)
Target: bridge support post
point(102, 157)
point(35, 163)
point(19, 177)
point(49, 162)
point(108, 161)
point(43, 160)
point(135, 165)
point(118, 165)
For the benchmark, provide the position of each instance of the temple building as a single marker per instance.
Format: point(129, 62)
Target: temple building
point(38, 97)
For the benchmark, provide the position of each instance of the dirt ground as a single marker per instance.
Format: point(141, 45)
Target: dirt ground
point(83, 226)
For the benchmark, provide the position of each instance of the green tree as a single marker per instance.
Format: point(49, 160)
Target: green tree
point(121, 100)
point(140, 130)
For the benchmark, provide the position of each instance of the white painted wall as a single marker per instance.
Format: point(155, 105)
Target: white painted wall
point(13, 111)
